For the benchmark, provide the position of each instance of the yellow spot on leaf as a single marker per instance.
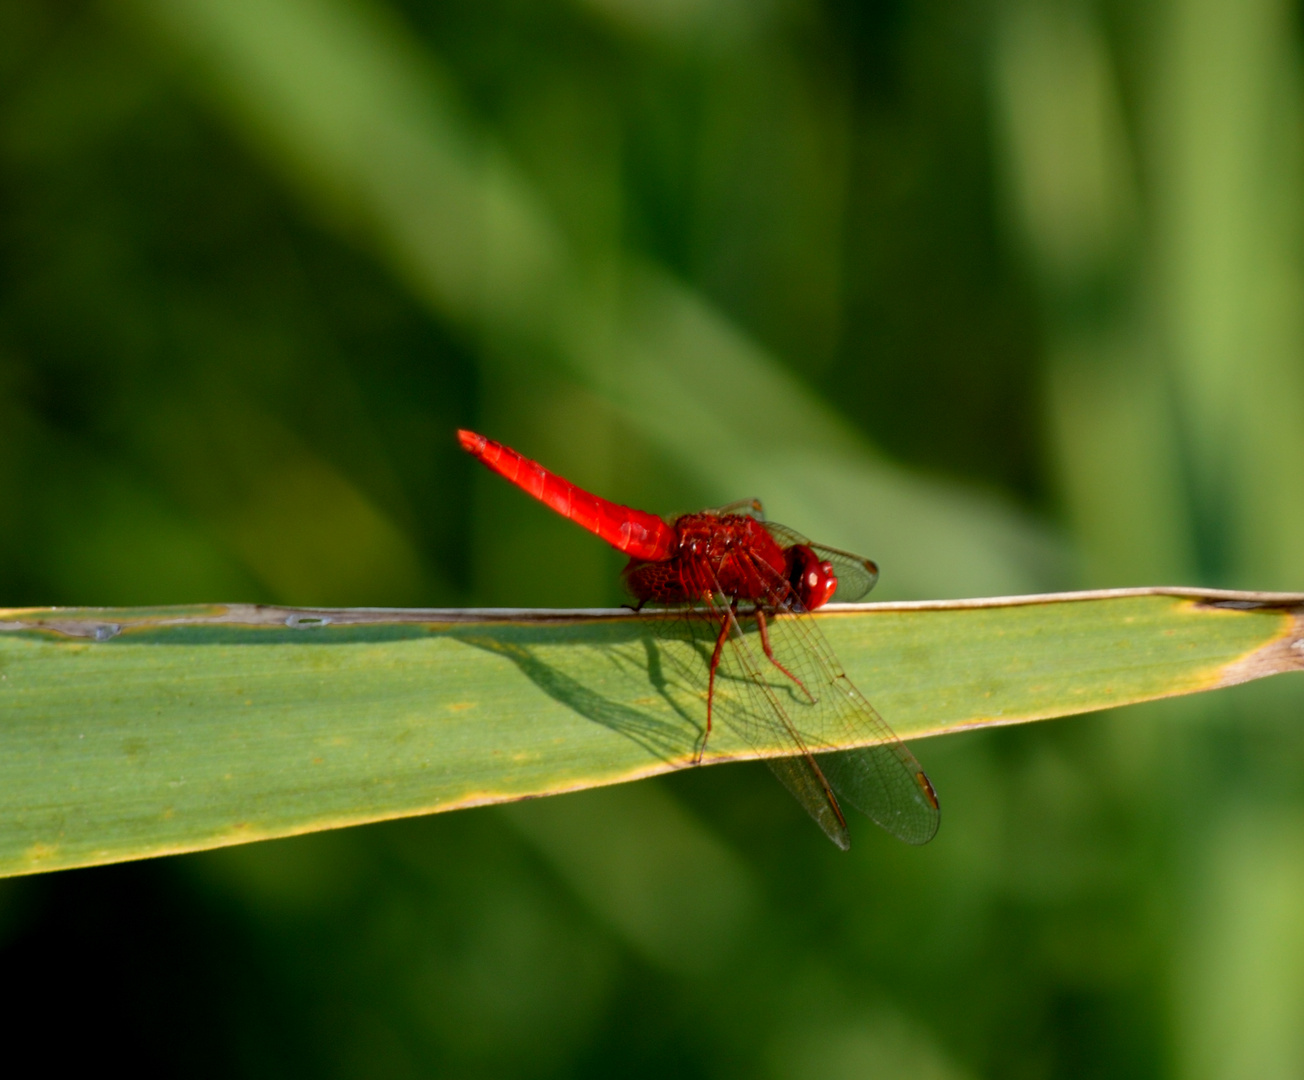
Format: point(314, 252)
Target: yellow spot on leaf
point(41, 852)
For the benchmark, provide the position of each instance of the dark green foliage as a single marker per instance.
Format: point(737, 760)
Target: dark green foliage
point(213, 389)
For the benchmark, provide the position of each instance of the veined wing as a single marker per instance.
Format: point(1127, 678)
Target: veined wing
point(856, 574)
point(748, 507)
point(882, 779)
point(747, 701)
point(825, 712)
point(800, 697)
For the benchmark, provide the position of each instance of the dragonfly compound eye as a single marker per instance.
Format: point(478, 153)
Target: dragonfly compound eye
point(813, 581)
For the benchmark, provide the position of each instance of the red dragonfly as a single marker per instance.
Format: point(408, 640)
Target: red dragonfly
point(728, 567)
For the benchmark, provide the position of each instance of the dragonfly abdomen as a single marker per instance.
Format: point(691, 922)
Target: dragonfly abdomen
point(635, 532)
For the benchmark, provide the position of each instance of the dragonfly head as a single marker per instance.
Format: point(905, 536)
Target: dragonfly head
point(812, 580)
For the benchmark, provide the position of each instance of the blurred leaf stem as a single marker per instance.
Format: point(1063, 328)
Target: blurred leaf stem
point(1230, 253)
point(1071, 185)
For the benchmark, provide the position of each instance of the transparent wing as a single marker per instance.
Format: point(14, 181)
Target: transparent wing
point(856, 575)
point(750, 507)
point(824, 712)
point(881, 779)
point(780, 683)
point(747, 702)
point(750, 704)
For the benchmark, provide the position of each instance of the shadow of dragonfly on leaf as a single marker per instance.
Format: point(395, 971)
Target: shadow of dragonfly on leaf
point(629, 677)
point(644, 679)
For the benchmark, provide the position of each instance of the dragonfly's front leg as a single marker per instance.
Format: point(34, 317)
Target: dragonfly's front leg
point(765, 644)
point(726, 622)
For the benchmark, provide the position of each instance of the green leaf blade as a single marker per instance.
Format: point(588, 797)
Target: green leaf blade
point(129, 733)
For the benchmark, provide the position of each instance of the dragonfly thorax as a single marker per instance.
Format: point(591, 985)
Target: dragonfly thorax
point(718, 555)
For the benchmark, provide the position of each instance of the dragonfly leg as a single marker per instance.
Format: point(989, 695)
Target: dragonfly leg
point(765, 644)
point(710, 678)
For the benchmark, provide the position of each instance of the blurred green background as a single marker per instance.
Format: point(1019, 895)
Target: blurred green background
point(1008, 295)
